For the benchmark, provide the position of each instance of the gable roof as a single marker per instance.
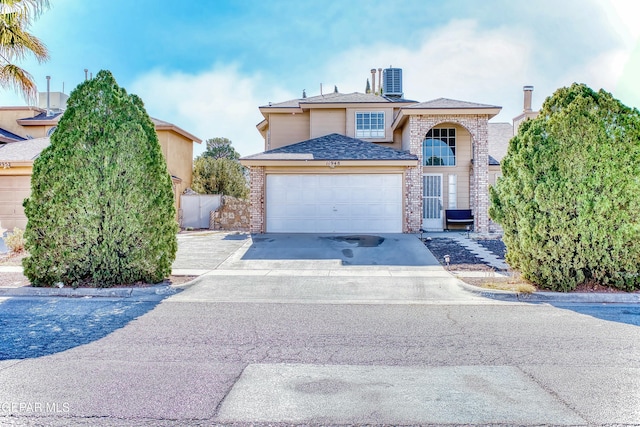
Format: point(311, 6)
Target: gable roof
point(446, 103)
point(162, 125)
point(23, 151)
point(444, 107)
point(333, 147)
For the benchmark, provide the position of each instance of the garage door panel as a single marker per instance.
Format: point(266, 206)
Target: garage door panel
point(13, 191)
point(342, 195)
point(293, 195)
point(334, 203)
point(322, 195)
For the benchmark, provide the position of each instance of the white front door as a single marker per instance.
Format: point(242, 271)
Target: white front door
point(334, 203)
point(432, 202)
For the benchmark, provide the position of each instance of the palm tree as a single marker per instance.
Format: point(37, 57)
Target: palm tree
point(16, 43)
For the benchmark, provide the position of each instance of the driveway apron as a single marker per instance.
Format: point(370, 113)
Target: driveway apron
point(312, 268)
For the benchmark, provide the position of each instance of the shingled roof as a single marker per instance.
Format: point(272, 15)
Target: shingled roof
point(446, 103)
point(41, 116)
point(333, 147)
point(23, 151)
point(337, 98)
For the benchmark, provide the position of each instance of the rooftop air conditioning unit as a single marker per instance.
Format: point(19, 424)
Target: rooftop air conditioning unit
point(392, 81)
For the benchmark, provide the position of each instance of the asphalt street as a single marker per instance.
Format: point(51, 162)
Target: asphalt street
point(34, 327)
point(311, 345)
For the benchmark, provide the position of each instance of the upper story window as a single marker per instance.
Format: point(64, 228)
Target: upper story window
point(370, 125)
point(439, 148)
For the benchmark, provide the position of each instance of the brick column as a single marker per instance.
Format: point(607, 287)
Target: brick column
point(481, 176)
point(413, 180)
point(256, 199)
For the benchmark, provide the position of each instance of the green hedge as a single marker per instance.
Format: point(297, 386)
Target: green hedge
point(569, 198)
point(101, 210)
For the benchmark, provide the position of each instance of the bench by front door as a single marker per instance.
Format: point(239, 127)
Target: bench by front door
point(432, 202)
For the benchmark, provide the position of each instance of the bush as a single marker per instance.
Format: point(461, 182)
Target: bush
point(219, 176)
point(568, 199)
point(15, 241)
point(101, 210)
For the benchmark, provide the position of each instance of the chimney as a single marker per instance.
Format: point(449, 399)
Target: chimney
point(48, 96)
point(380, 80)
point(527, 98)
point(373, 80)
point(86, 77)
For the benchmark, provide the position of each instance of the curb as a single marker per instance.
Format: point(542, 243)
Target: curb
point(554, 297)
point(27, 291)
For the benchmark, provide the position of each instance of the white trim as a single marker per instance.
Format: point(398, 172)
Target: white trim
point(432, 224)
point(364, 134)
point(453, 191)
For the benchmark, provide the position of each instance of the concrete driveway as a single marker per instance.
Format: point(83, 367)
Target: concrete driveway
point(309, 268)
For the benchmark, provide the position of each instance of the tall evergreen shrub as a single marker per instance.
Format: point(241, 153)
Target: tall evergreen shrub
point(569, 198)
point(101, 210)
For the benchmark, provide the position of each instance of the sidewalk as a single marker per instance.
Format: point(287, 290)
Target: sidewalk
point(205, 252)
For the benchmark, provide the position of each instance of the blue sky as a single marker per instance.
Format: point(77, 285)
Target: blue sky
point(207, 65)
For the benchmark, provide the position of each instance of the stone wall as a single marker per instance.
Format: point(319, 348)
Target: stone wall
point(232, 215)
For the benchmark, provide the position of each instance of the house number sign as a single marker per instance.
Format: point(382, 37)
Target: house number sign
point(5, 165)
point(333, 163)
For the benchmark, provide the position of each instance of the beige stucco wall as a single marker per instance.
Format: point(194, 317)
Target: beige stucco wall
point(178, 153)
point(327, 121)
point(388, 118)
point(37, 131)
point(287, 129)
point(464, 154)
point(406, 138)
point(494, 173)
point(10, 115)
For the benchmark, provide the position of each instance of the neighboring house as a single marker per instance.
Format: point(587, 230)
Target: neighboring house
point(24, 133)
point(363, 163)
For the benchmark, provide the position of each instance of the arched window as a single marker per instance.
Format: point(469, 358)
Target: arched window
point(439, 148)
point(52, 130)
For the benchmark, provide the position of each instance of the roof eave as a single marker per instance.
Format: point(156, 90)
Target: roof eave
point(31, 122)
point(268, 110)
point(334, 164)
point(17, 163)
point(178, 130)
point(489, 111)
point(8, 140)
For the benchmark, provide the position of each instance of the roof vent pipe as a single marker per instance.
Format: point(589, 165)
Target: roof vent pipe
point(527, 98)
point(48, 96)
point(373, 80)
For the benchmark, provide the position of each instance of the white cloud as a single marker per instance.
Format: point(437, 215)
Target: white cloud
point(458, 61)
point(220, 102)
point(463, 61)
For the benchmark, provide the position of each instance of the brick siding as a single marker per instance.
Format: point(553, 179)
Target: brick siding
point(256, 198)
point(477, 125)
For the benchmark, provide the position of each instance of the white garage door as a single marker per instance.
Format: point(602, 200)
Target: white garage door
point(354, 203)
